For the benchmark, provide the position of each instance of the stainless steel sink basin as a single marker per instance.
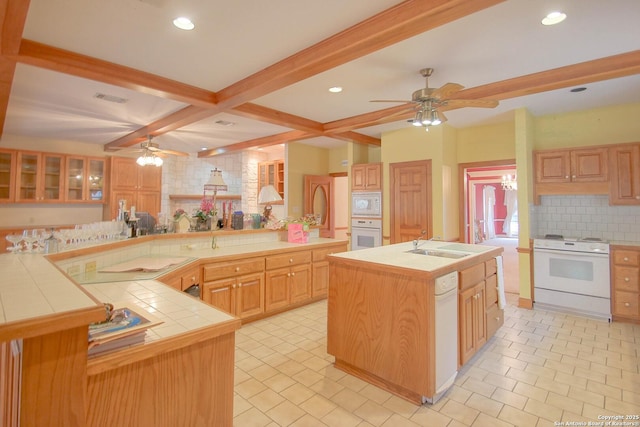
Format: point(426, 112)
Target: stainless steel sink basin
point(435, 252)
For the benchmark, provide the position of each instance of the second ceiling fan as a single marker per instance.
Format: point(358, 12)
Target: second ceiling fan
point(428, 101)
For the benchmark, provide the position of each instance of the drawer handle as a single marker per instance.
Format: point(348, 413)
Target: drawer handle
point(237, 268)
point(239, 285)
point(193, 279)
point(497, 319)
point(293, 274)
point(626, 304)
point(288, 274)
point(626, 258)
point(290, 260)
point(233, 286)
point(626, 279)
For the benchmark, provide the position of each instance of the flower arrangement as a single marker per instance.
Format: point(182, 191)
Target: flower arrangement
point(178, 213)
point(207, 209)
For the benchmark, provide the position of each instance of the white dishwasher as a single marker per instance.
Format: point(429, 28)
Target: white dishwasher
point(446, 329)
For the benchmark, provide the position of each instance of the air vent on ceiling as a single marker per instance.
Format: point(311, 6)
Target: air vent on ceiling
point(110, 98)
point(224, 123)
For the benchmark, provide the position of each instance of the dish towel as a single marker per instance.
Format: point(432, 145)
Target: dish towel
point(502, 300)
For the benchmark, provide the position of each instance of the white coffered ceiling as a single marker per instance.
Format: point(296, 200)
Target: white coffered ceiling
point(235, 40)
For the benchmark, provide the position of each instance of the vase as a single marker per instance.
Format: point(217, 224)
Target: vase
point(203, 224)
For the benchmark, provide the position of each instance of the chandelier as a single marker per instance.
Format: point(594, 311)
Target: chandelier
point(149, 158)
point(509, 182)
point(427, 115)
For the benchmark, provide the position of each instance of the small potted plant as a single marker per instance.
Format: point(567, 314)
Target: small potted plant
point(205, 215)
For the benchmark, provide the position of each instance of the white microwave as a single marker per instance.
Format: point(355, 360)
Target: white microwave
point(367, 205)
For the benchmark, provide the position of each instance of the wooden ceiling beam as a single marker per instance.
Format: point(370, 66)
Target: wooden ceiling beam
point(281, 138)
point(398, 23)
point(13, 15)
point(269, 115)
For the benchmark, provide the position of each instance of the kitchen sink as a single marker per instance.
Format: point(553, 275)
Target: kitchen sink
point(432, 252)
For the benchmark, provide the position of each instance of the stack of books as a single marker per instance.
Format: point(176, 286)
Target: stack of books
point(123, 327)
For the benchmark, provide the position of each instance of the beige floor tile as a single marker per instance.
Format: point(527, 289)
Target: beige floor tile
point(481, 387)
point(500, 381)
point(620, 407)
point(604, 389)
point(252, 418)
point(551, 386)
point(400, 406)
point(543, 410)
point(399, 421)
point(485, 420)
point(307, 377)
point(327, 387)
point(565, 403)
point(460, 412)
point(240, 404)
point(318, 406)
point(429, 418)
point(541, 371)
point(375, 394)
point(263, 372)
point(278, 382)
point(458, 393)
point(266, 400)
point(522, 376)
point(348, 399)
point(531, 392)
point(517, 417)
point(373, 413)
point(285, 413)
point(341, 417)
point(485, 405)
point(308, 421)
point(249, 388)
point(572, 380)
point(297, 393)
point(595, 399)
point(510, 398)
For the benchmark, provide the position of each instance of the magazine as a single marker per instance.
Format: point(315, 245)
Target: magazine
point(124, 327)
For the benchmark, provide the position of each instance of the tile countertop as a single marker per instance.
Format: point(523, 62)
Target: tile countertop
point(32, 287)
point(396, 255)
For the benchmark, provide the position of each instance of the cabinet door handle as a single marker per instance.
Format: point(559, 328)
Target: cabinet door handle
point(288, 274)
point(193, 279)
point(239, 285)
point(237, 269)
point(290, 260)
point(233, 286)
point(573, 176)
point(497, 319)
point(626, 279)
point(566, 176)
point(626, 304)
point(626, 258)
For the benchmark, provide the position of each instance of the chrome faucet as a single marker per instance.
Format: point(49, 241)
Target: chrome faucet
point(420, 237)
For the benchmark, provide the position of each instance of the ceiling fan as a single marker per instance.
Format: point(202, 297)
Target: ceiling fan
point(152, 153)
point(427, 101)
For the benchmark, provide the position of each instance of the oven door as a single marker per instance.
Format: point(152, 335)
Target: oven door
point(573, 272)
point(363, 238)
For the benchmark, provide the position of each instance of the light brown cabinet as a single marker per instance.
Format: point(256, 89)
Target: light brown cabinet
point(7, 175)
point(479, 313)
point(85, 179)
point(39, 177)
point(139, 185)
point(625, 175)
point(577, 165)
point(625, 279)
point(320, 268)
point(182, 278)
point(236, 287)
point(272, 173)
point(287, 279)
point(366, 177)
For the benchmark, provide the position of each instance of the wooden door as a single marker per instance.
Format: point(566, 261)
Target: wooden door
point(250, 295)
point(410, 196)
point(317, 201)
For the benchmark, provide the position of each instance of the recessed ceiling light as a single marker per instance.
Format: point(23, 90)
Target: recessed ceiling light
point(224, 123)
point(203, 148)
point(335, 89)
point(578, 89)
point(183, 23)
point(553, 18)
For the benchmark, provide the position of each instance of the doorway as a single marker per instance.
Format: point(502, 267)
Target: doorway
point(410, 204)
point(327, 198)
point(489, 213)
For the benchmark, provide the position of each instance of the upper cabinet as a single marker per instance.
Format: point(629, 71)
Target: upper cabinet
point(366, 177)
point(7, 175)
point(272, 173)
point(580, 165)
point(85, 180)
point(571, 171)
point(139, 186)
point(39, 177)
point(625, 175)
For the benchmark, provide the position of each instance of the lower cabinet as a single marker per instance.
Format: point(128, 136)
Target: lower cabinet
point(479, 314)
point(625, 279)
point(288, 279)
point(236, 287)
point(320, 268)
point(183, 278)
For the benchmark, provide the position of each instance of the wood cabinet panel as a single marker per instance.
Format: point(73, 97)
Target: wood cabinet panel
point(85, 180)
point(366, 177)
point(220, 294)
point(276, 289)
point(272, 173)
point(553, 166)
point(7, 175)
point(139, 185)
point(472, 275)
point(220, 270)
point(288, 259)
point(625, 175)
point(625, 284)
point(39, 177)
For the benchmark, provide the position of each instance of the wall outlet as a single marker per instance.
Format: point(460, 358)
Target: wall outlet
point(90, 267)
point(73, 270)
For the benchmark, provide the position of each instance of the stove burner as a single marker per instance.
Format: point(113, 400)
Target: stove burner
point(554, 236)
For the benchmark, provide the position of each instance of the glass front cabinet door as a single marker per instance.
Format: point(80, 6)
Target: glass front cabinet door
point(85, 180)
point(39, 177)
point(7, 176)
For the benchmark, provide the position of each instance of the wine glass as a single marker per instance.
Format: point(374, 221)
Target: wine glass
point(29, 239)
point(14, 239)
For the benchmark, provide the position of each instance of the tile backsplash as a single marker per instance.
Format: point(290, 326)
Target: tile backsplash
point(585, 216)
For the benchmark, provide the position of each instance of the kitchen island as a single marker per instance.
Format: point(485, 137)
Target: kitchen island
point(382, 323)
point(183, 372)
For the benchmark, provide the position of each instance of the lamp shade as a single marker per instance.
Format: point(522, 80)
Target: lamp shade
point(215, 183)
point(268, 194)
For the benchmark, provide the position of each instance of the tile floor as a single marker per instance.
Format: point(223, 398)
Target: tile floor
point(540, 368)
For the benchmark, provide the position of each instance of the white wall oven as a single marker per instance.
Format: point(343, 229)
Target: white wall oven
point(365, 233)
point(366, 204)
point(572, 275)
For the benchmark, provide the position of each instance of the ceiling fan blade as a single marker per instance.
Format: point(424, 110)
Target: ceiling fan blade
point(447, 90)
point(390, 100)
point(478, 103)
point(173, 152)
point(442, 117)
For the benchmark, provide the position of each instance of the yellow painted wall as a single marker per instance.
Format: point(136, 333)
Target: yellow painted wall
point(300, 160)
point(606, 125)
point(485, 143)
point(336, 158)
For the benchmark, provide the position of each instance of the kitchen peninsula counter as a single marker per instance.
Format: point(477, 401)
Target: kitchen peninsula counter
point(182, 374)
point(381, 312)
